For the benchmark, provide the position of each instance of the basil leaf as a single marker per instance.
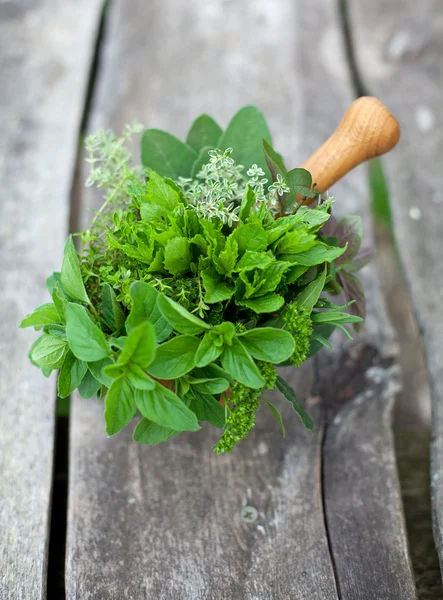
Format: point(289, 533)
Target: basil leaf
point(207, 351)
point(310, 295)
point(85, 339)
point(276, 414)
point(238, 363)
point(163, 407)
point(46, 314)
point(144, 308)
point(349, 230)
point(71, 374)
point(287, 391)
point(175, 358)
point(112, 311)
point(120, 406)
point(208, 409)
point(204, 132)
point(89, 386)
point(147, 432)
point(166, 154)
point(179, 318)
point(48, 352)
point(139, 379)
point(140, 346)
point(268, 344)
point(71, 277)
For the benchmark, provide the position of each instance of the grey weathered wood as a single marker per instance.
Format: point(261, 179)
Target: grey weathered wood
point(164, 522)
point(400, 56)
point(45, 51)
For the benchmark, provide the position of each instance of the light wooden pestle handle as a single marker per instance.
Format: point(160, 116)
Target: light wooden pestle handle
point(368, 129)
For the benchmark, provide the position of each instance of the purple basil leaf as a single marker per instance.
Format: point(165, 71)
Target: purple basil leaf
point(353, 290)
point(349, 230)
point(364, 256)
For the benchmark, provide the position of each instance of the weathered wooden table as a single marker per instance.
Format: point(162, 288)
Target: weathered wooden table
point(165, 523)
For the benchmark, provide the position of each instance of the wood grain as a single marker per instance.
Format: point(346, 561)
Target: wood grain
point(45, 52)
point(164, 522)
point(401, 42)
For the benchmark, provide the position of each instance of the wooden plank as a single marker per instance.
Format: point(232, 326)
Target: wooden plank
point(45, 52)
point(164, 522)
point(399, 42)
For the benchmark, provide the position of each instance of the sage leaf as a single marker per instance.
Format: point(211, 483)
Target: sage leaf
point(85, 338)
point(71, 277)
point(166, 154)
point(204, 132)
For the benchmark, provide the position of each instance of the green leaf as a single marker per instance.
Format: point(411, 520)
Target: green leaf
point(144, 308)
point(209, 386)
point(349, 230)
point(52, 280)
point(296, 241)
point(287, 391)
point(112, 311)
point(89, 386)
point(60, 301)
point(354, 292)
point(147, 432)
point(71, 277)
point(270, 277)
point(179, 318)
point(166, 154)
point(249, 237)
point(140, 346)
point(321, 331)
point(178, 256)
point(268, 343)
point(207, 351)
point(97, 367)
point(71, 375)
point(85, 339)
point(139, 379)
point(321, 340)
point(309, 296)
point(300, 182)
point(274, 161)
point(245, 134)
point(276, 414)
point(316, 255)
point(204, 132)
point(237, 362)
point(120, 406)
point(163, 407)
point(335, 317)
point(175, 358)
point(253, 260)
point(264, 304)
point(248, 201)
point(217, 290)
point(46, 314)
point(208, 409)
point(227, 260)
point(162, 192)
point(48, 352)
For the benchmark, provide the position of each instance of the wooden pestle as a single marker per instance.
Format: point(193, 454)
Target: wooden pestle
point(368, 129)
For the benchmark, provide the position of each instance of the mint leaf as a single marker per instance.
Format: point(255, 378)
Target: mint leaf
point(163, 407)
point(268, 343)
point(309, 296)
point(144, 308)
point(85, 339)
point(217, 290)
point(287, 391)
point(71, 277)
point(238, 363)
point(147, 432)
point(89, 386)
point(276, 414)
point(249, 237)
point(166, 154)
point(175, 358)
point(264, 304)
point(204, 132)
point(46, 314)
point(48, 352)
point(179, 318)
point(140, 346)
point(178, 256)
point(227, 260)
point(120, 406)
point(71, 374)
point(112, 311)
point(253, 260)
point(245, 133)
point(296, 241)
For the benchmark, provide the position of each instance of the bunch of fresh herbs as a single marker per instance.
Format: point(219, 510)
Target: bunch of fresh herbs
point(202, 271)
